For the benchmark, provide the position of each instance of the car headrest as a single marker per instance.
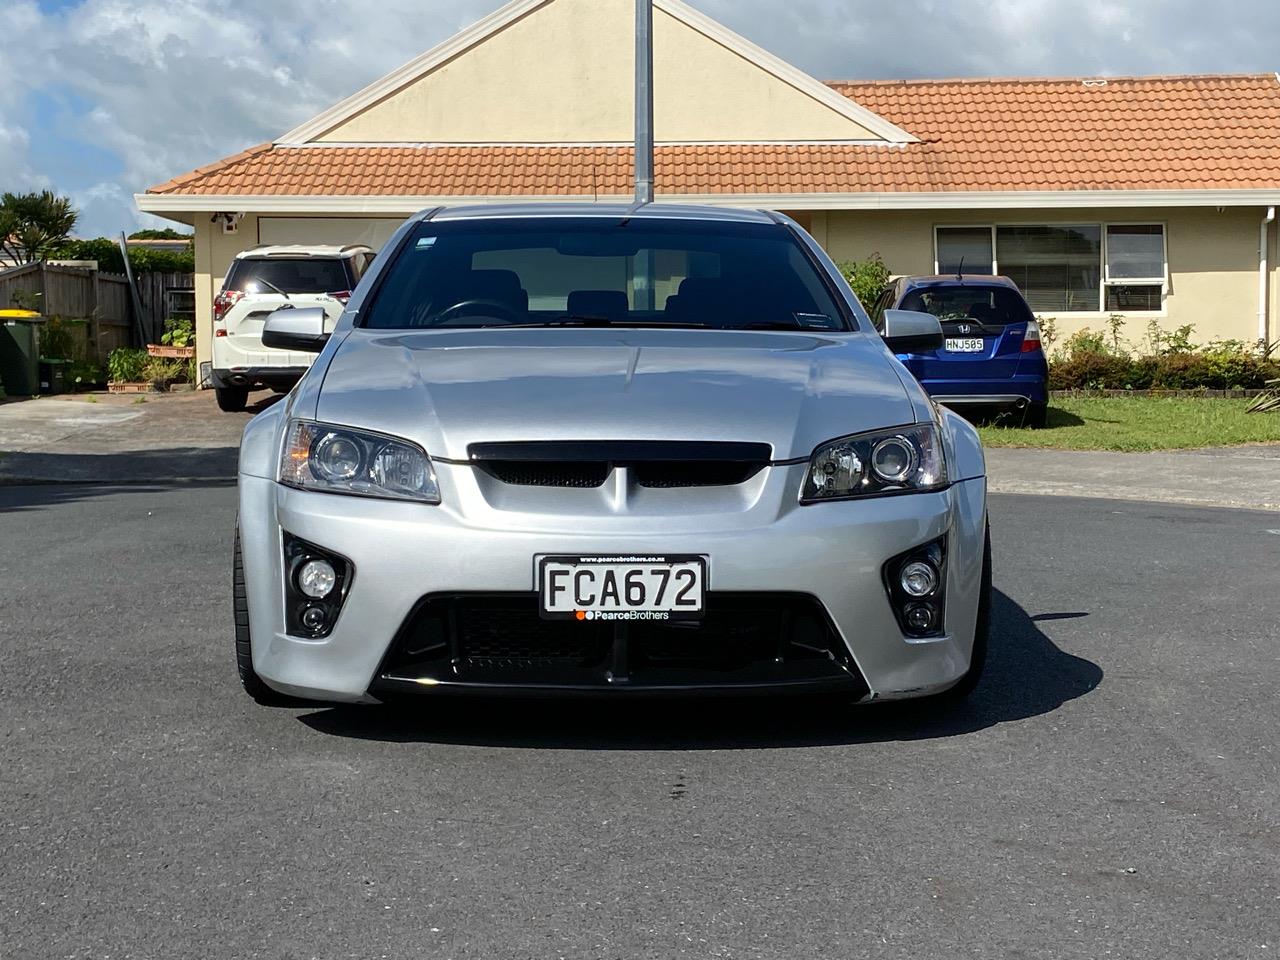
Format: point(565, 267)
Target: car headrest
point(608, 304)
point(983, 313)
point(702, 288)
point(501, 285)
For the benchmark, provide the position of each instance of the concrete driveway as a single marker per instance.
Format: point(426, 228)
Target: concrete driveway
point(121, 439)
point(184, 436)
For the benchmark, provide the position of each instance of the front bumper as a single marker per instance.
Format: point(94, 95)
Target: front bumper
point(404, 554)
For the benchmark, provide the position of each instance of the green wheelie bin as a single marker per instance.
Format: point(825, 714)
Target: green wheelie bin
point(20, 352)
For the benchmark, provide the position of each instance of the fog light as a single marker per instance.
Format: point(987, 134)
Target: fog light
point(313, 618)
point(919, 617)
point(919, 579)
point(316, 579)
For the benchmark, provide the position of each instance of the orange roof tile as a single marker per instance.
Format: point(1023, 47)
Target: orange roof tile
point(1146, 133)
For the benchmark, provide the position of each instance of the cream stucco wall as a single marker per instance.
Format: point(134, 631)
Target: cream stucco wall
point(1213, 259)
point(564, 74)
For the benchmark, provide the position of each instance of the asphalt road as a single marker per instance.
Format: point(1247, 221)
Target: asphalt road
point(1111, 791)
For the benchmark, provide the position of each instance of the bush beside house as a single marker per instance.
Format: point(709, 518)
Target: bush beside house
point(1097, 360)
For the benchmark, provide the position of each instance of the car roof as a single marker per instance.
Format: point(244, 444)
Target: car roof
point(652, 211)
point(317, 250)
point(951, 280)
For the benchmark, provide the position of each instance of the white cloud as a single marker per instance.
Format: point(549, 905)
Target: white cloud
point(173, 84)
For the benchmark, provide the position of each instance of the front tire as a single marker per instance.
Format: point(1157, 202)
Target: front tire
point(232, 399)
point(249, 679)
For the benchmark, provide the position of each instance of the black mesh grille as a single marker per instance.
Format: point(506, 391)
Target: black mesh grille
point(501, 639)
point(553, 474)
point(694, 473)
point(654, 464)
point(501, 629)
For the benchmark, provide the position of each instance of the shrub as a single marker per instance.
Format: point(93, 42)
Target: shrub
point(178, 332)
point(1090, 360)
point(126, 365)
point(107, 253)
point(1095, 370)
point(82, 374)
point(869, 278)
point(160, 372)
point(58, 340)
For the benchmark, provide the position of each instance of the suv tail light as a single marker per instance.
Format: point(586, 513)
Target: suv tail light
point(342, 296)
point(224, 302)
point(1031, 341)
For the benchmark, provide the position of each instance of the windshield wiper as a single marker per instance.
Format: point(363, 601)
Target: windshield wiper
point(268, 283)
point(568, 320)
point(574, 320)
point(770, 325)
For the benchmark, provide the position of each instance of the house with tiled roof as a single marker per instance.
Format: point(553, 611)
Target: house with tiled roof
point(1149, 197)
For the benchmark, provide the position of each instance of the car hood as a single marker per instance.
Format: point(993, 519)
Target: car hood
point(449, 389)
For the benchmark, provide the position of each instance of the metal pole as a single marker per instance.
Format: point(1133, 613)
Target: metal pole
point(140, 325)
point(644, 101)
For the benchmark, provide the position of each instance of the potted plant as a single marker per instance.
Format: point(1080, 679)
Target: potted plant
point(177, 342)
point(126, 369)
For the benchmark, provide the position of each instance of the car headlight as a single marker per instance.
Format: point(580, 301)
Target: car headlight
point(355, 462)
point(905, 460)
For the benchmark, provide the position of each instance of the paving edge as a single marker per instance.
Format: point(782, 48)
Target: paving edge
point(1092, 493)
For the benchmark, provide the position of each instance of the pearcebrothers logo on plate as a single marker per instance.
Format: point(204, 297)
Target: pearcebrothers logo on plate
point(582, 615)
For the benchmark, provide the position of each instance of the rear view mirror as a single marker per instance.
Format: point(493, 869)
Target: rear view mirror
point(907, 331)
point(291, 328)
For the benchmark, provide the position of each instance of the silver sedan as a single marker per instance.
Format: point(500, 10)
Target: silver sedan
point(601, 450)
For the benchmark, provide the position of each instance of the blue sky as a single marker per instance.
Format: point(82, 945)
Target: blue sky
point(102, 98)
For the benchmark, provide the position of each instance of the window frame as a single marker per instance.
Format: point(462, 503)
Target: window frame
point(1104, 278)
point(995, 254)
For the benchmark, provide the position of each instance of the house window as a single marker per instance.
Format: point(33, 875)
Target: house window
point(1057, 267)
point(1136, 270)
point(1065, 268)
point(965, 250)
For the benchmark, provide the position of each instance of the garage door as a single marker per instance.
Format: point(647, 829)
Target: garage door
point(372, 231)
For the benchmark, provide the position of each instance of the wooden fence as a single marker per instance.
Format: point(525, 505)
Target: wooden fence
point(103, 299)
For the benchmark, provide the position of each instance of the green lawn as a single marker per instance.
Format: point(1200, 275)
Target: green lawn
point(1140, 423)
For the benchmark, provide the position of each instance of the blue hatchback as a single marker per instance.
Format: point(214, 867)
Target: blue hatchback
point(991, 355)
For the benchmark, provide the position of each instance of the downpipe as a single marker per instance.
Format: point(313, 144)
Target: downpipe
point(1264, 286)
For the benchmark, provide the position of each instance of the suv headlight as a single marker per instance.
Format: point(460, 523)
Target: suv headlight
point(905, 460)
point(340, 460)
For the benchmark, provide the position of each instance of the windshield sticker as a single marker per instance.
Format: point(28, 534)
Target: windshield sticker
point(817, 321)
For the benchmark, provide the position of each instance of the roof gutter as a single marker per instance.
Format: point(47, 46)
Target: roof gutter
point(1264, 285)
point(403, 205)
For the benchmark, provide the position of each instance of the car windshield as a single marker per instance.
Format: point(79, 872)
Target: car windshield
point(288, 275)
point(989, 305)
point(596, 271)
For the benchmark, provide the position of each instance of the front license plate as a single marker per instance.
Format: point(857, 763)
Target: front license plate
point(661, 588)
point(964, 344)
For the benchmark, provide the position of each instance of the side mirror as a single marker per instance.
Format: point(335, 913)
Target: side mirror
point(293, 328)
point(909, 331)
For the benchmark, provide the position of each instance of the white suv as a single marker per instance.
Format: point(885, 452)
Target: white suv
point(259, 282)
